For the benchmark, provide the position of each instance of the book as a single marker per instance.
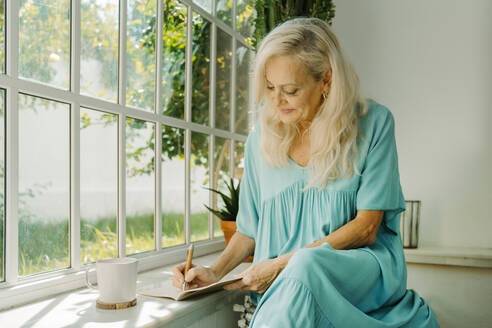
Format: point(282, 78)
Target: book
point(167, 290)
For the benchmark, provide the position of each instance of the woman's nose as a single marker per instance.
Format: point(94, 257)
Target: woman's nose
point(278, 97)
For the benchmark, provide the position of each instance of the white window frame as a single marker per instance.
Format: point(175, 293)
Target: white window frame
point(17, 290)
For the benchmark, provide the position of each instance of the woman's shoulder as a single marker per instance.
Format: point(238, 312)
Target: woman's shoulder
point(377, 119)
point(253, 140)
point(254, 134)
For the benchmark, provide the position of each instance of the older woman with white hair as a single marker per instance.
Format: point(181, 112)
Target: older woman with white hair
point(320, 198)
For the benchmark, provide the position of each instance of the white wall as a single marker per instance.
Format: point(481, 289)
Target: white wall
point(460, 296)
point(430, 63)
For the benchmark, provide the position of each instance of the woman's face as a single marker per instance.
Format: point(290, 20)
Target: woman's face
point(294, 94)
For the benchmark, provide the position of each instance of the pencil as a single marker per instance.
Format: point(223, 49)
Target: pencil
point(188, 264)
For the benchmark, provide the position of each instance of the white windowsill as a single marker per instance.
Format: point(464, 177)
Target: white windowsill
point(53, 283)
point(457, 256)
point(78, 308)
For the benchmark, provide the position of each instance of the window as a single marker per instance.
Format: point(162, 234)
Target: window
point(115, 127)
point(99, 49)
point(44, 185)
point(140, 189)
point(44, 42)
point(98, 185)
point(173, 194)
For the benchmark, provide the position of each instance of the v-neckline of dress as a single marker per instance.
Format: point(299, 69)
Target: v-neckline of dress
point(295, 163)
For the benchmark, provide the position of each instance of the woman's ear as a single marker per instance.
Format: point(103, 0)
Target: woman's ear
point(327, 81)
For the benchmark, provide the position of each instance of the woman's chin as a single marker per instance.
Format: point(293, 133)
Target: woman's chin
point(288, 119)
point(288, 122)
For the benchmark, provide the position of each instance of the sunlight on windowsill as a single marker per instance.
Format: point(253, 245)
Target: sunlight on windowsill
point(78, 308)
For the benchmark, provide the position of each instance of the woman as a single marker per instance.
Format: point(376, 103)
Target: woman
point(320, 197)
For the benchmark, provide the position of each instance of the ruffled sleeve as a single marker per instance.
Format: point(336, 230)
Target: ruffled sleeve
point(249, 194)
point(379, 187)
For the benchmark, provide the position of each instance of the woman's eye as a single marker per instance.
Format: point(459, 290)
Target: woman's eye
point(291, 93)
point(269, 88)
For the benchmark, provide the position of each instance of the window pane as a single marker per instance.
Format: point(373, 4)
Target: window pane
point(223, 77)
point(44, 185)
point(200, 70)
point(205, 4)
point(242, 89)
point(44, 41)
point(199, 181)
point(98, 185)
point(174, 59)
point(140, 48)
point(2, 181)
point(245, 15)
point(222, 157)
point(238, 160)
point(173, 190)
point(99, 49)
point(224, 11)
point(139, 186)
point(2, 36)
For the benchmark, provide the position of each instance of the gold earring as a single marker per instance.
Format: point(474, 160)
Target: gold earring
point(324, 96)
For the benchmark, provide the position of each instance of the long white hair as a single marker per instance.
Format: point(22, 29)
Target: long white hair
point(334, 129)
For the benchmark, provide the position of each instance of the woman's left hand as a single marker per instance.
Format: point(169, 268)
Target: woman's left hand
point(258, 277)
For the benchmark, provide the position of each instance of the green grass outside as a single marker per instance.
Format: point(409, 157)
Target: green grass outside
point(43, 246)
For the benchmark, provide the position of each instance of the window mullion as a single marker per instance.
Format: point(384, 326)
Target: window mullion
point(188, 65)
point(187, 226)
point(121, 185)
point(158, 129)
point(122, 130)
point(158, 187)
point(12, 147)
point(75, 187)
point(233, 85)
point(122, 53)
point(231, 159)
point(213, 82)
point(75, 137)
point(233, 88)
point(233, 71)
point(12, 190)
point(188, 92)
point(211, 179)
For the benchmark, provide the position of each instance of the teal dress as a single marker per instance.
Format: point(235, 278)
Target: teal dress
point(321, 286)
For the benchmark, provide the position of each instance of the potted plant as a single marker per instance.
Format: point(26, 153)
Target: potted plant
point(228, 213)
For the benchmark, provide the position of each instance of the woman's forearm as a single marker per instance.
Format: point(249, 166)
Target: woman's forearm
point(238, 249)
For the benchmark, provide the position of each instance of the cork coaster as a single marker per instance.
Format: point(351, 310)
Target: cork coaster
point(115, 306)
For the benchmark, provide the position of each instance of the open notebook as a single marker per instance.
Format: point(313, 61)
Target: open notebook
point(167, 290)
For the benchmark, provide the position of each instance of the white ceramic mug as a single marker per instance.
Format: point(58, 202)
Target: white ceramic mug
point(116, 280)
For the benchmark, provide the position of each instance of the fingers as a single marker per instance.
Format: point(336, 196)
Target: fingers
point(178, 269)
point(194, 276)
point(192, 273)
point(178, 278)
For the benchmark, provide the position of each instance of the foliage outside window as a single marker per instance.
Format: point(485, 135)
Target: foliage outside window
point(45, 127)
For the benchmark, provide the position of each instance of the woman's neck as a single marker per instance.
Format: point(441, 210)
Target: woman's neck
point(304, 127)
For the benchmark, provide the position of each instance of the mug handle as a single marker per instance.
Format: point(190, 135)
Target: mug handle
point(87, 279)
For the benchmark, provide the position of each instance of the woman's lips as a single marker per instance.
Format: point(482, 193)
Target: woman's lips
point(287, 110)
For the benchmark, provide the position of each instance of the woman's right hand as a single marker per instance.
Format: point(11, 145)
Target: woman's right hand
point(197, 276)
